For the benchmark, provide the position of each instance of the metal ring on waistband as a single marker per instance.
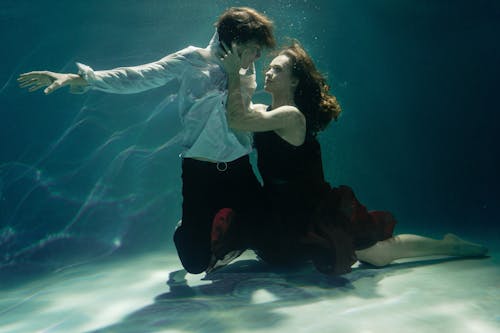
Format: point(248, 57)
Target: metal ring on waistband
point(221, 166)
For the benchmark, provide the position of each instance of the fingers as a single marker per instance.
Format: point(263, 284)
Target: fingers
point(227, 57)
point(226, 53)
point(35, 73)
point(26, 83)
point(36, 87)
point(33, 84)
point(25, 78)
point(28, 79)
point(227, 49)
point(230, 50)
point(54, 86)
point(30, 75)
point(234, 47)
point(35, 80)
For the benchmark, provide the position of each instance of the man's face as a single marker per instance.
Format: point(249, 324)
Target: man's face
point(249, 52)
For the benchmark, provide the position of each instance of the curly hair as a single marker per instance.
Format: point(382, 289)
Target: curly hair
point(312, 94)
point(243, 24)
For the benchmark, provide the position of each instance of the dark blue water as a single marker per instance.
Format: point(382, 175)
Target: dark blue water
point(82, 176)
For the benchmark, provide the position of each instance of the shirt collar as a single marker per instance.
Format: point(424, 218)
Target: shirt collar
point(214, 45)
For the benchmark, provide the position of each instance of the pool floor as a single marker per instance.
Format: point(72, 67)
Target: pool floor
point(150, 293)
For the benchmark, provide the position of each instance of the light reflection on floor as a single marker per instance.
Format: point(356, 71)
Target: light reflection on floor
point(460, 296)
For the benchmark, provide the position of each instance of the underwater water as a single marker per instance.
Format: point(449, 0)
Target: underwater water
point(90, 189)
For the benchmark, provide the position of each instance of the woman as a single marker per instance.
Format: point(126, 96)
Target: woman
point(308, 219)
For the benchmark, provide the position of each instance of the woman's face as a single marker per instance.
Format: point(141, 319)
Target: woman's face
point(279, 75)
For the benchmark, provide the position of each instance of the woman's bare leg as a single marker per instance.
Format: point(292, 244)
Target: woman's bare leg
point(409, 246)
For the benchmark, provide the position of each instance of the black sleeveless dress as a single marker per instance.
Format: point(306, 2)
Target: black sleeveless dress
point(307, 219)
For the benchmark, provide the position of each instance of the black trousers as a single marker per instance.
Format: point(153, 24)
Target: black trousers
point(207, 188)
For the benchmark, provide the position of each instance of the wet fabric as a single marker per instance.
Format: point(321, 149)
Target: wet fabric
point(201, 97)
point(309, 219)
point(207, 188)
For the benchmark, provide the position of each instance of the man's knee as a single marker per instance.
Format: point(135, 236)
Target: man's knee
point(194, 254)
point(195, 268)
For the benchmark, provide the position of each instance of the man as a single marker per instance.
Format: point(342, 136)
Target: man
point(216, 171)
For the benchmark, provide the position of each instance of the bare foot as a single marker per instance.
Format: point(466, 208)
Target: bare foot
point(463, 248)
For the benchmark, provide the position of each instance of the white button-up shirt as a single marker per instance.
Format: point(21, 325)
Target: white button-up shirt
point(201, 98)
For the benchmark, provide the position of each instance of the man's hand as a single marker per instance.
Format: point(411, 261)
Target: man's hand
point(53, 81)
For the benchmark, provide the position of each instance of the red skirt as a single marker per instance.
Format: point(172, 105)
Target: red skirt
point(341, 225)
point(325, 227)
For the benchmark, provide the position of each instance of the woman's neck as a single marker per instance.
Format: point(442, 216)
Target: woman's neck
point(282, 99)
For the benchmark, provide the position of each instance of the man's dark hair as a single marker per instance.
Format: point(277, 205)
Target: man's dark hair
point(243, 24)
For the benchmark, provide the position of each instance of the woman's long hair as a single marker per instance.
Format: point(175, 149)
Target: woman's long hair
point(312, 95)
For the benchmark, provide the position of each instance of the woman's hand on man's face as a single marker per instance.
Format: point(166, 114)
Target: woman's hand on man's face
point(230, 59)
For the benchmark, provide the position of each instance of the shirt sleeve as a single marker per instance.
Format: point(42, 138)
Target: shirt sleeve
point(130, 80)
